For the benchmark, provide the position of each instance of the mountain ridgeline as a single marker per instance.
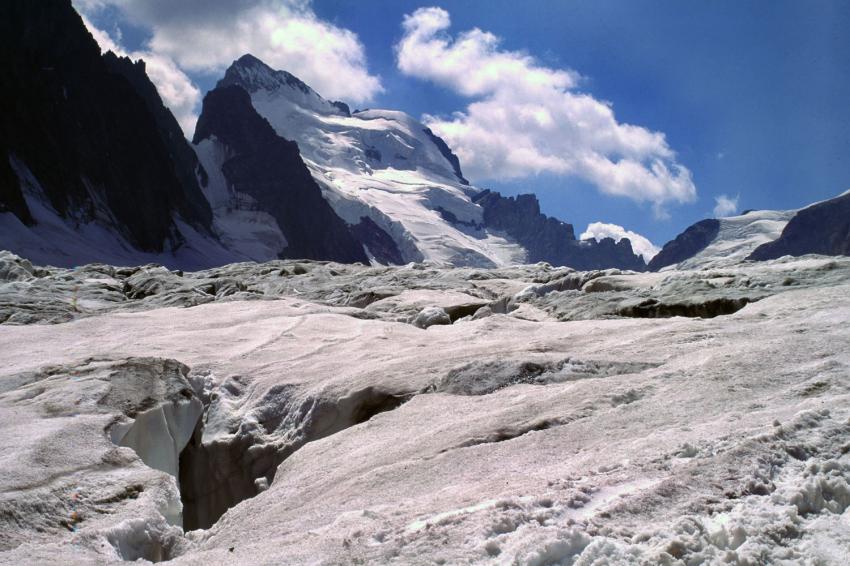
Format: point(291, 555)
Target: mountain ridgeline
point(296, 111)
point(822, 228)
point(269, 169)
point(551, 240)
point(693, 240)
point(94, 167)
point(87, 135)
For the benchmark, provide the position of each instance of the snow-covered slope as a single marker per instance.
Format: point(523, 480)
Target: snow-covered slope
point(236, 220)
point(259, 180)
point(79, 237)
point(736, 238)
point(380, 164)
point(329, 427)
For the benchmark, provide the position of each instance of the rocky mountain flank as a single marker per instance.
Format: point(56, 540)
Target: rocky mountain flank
point(548, 239)
point(94, 167)
point(269, 169)
point(822, 228)
point(88, 135)
point(687, 244)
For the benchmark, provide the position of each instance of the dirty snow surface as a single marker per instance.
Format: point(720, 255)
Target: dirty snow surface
point(314, 413)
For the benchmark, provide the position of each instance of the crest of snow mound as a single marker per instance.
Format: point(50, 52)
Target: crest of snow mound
point(723, 241)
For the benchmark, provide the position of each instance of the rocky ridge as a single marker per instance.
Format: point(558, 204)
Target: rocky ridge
point(822, 228)
point(79, 138)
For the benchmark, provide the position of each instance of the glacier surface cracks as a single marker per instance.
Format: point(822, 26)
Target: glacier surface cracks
point(304, 412)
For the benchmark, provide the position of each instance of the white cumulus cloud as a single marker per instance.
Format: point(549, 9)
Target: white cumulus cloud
point(330, 59)
point(640, 244)
point(724, 205)
point(206, 36)
point(526, 118)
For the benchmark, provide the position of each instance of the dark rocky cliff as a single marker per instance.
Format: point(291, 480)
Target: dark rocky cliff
point(551, 240)
point(269, 168)
point(822, 228)
point(687, 244)
point(187, 168)
point(86, 133)
point(447, 153)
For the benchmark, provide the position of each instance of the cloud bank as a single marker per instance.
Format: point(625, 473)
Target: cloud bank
point(724, 205)
point(640, 244)
point(526, 118)
point(206, 36)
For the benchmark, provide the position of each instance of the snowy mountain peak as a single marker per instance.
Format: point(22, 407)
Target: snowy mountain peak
point(255, 76)
point(397, 184)
point(381, 165)
point(252, 75)
point(328, 133)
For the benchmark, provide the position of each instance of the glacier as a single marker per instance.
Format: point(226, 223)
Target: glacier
point(550, 416)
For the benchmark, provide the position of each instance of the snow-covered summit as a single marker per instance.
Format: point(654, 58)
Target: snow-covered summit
point(329, 134)
point(396, 184)
point(739, 236)
point(383, 165)
point(253, 75)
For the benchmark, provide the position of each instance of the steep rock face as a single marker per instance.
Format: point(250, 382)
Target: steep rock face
point(380, 245)
point(607, 253)
point(447, 153)
point(11, 197)
point(253, 75)
point(85, 134)
point(188, 170)
point(269, 169)
point(548, 239)
point(687, 244)
point(822, 228)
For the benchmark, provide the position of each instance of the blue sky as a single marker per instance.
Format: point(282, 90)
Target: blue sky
point(753, 97)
